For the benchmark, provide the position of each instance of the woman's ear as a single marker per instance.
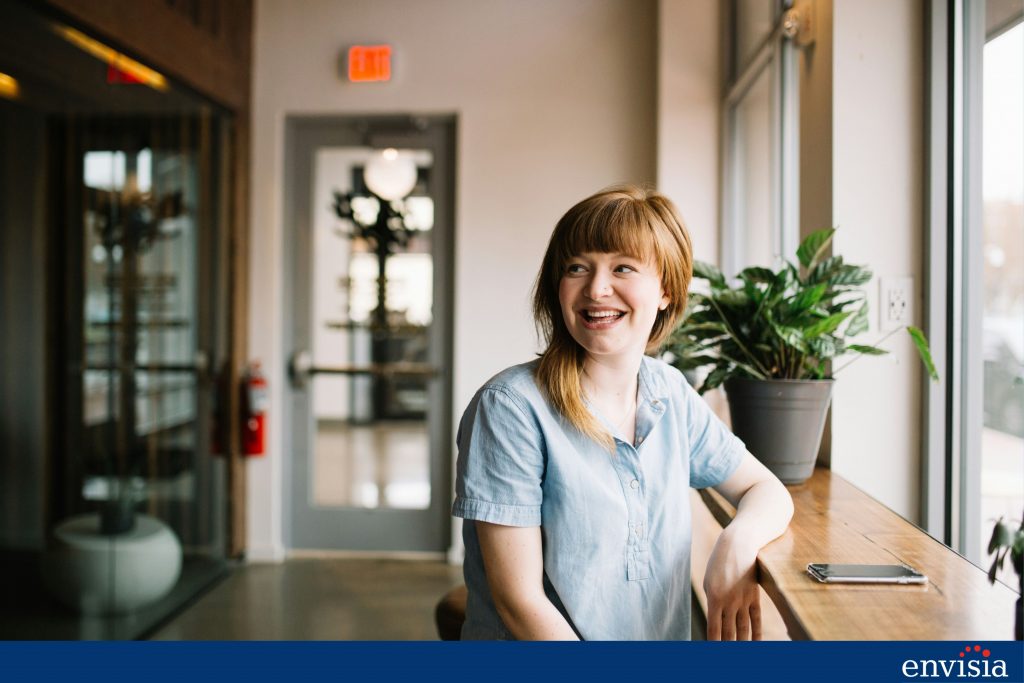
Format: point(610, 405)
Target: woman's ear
point(665, 301)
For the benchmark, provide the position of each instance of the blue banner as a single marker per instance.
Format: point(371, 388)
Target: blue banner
point(819, 662)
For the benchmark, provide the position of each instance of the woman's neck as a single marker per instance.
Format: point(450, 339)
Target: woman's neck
point(610, 381)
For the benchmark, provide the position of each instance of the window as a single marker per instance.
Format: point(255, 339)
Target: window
point(975, 458)
point(761, 146)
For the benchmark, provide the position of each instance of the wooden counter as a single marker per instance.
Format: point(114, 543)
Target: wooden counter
point(836, 522)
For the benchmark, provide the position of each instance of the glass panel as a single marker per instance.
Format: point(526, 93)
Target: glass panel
point(754, 22)
point(1002, 468)
point(119, 198)
point(752, 174)
point(371, 446)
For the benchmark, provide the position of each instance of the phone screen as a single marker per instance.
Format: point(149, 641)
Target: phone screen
point(867, 573)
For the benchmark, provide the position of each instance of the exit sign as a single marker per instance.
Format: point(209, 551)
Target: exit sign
point(368, 63)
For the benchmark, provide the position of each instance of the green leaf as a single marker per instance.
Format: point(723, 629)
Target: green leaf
point(792, 336)
point(757, 274)
point(715, 378)
point(850, 276)
point(827, 325)
point(921, 342)
point(866, 350)
point(708, 272)
point(733, 298)
point(814, 246)
point(806, 298)
point(993, 569)
point(1001, 537)
point(859, 322)
point(825, 269)
point(687, 362)
point(825, 347)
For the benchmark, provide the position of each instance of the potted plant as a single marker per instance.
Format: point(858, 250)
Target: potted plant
point(1008, 541)
point(769, 339)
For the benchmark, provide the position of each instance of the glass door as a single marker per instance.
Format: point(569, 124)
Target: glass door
point(370, 319)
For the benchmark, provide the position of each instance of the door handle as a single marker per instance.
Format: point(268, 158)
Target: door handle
point(301, 368)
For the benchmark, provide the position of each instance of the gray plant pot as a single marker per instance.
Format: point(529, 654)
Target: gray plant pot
point(780, 421)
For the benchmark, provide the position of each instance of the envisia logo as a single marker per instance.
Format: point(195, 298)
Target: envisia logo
point(973, 661)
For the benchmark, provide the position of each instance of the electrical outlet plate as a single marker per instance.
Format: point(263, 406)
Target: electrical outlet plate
point(895, 302)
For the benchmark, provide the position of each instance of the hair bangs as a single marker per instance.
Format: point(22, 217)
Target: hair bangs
point(615, 227)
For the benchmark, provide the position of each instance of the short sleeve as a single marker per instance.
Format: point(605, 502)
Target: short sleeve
point(715, 452)
point(500, 466)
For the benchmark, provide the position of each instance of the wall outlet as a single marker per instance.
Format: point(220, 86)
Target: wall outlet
point(895, 302)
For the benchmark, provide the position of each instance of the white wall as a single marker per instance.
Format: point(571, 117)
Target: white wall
point(689, 116)
point(554, 100)
point(877, 197)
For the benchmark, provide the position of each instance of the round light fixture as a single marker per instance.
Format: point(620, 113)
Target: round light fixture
point(390, 174)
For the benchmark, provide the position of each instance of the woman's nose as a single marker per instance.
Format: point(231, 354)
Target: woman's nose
point(598, 286)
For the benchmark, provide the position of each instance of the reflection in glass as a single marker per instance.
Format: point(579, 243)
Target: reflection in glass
point(371, 446)
point(114, 504)
point(1002, 468)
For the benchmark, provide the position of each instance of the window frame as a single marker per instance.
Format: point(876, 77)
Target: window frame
point(952, 410)
point(777, 53)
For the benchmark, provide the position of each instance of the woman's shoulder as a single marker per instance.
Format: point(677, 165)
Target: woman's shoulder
point(662, 378)
point(517, 381)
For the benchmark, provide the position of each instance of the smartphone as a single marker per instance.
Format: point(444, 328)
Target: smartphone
point(865, 573)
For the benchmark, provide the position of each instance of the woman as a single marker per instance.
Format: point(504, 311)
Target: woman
point(573, 469)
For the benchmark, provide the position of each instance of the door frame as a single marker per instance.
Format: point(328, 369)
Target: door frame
point(303, 135)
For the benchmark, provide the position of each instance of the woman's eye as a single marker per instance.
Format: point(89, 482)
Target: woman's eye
point(574, 268)
point(625, 269)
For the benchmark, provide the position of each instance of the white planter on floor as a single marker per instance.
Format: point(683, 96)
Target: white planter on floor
point(98, 575)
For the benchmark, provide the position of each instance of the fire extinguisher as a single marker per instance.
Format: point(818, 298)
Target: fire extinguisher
point(254, 406)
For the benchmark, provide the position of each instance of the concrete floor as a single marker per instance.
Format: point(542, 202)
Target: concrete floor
point(320, 599)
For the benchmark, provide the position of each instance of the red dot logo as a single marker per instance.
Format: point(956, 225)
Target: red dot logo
point(985, 653)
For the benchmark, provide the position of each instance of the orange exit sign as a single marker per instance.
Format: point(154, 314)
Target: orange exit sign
point(369, 63)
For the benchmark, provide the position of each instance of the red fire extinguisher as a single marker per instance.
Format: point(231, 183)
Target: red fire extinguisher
point(254, 405)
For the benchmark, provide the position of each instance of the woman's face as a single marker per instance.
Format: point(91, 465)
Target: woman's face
point(610, 302)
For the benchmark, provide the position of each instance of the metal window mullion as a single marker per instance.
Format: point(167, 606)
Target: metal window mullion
point(956, 229)
point(971, 366)
point(935, 414)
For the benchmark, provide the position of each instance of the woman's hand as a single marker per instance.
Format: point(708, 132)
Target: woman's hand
point(734, 599)
point(763, 510)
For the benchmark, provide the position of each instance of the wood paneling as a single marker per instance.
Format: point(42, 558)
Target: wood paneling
point(836, 522)
point(209, 49)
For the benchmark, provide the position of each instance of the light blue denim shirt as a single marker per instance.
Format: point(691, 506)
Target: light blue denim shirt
point(615, 527)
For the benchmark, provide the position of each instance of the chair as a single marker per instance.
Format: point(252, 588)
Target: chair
point(450, 613)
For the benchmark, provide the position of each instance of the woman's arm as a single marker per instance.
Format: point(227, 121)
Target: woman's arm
point(763, 510)
point(514, 562)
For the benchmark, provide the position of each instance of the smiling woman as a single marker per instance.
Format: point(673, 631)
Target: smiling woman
point(573, 469)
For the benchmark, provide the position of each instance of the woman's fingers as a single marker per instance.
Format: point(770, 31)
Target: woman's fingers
point(714, 624)
point(729, 626)
point(755, 618)
point(743, 625)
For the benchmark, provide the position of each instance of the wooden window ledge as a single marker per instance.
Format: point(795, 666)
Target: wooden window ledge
point(836, 522)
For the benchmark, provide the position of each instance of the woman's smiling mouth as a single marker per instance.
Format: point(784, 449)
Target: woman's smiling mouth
point(596, 319)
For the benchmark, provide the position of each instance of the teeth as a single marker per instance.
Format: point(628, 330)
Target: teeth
point(603, 314)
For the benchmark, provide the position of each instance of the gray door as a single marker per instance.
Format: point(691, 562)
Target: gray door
point(368, 292)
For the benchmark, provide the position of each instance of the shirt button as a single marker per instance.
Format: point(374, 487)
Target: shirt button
point(639, 440)
point(634, 484)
